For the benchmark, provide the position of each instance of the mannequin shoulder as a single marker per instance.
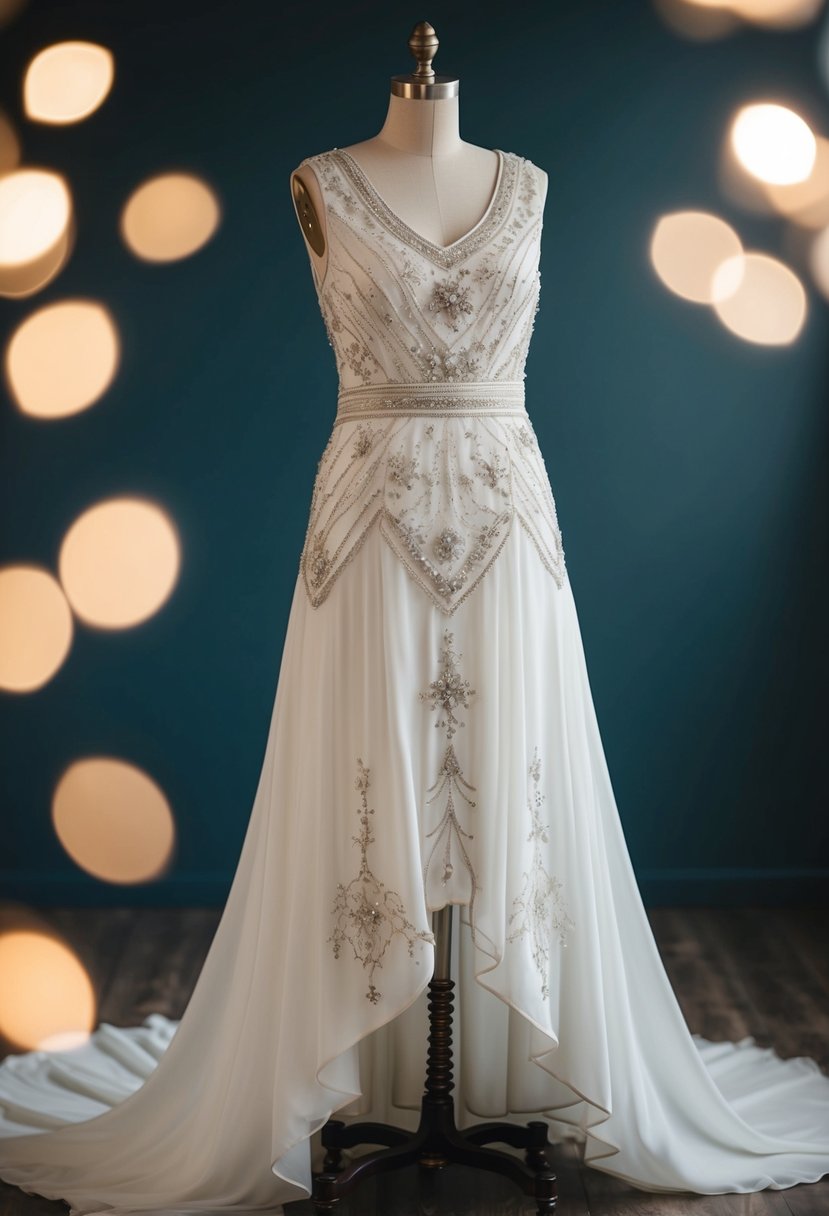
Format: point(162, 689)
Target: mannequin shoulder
point(313, 166)
point(309, 205)
point(316, 177)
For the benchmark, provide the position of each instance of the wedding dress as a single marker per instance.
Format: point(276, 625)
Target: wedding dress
point(433, 739)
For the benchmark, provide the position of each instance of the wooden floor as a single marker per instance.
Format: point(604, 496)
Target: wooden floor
point(739, 972)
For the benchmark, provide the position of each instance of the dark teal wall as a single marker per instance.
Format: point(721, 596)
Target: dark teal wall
point(689, 468)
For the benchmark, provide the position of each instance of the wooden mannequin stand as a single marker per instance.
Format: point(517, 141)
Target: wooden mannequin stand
point(437, 1141)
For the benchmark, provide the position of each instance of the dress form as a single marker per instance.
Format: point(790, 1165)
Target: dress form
point(438, 184)
point(432, 179)
point(441, 188)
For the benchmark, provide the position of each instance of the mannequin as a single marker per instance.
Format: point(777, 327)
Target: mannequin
point(441, 187)
point(431, 179)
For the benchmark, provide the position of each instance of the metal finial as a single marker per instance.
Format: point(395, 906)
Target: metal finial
point(422, 82)
point(423, 43)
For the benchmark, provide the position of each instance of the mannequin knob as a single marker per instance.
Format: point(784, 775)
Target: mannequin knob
point(423, 43)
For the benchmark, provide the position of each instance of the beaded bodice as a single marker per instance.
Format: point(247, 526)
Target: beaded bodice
point(431, 443)
point(400, 308)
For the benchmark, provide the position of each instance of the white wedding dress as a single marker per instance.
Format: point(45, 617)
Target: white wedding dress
point(433, 739)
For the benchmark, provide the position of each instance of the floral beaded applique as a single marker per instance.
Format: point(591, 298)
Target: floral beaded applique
point(539, 911)
point(446, 694)
point(451, 300)
point(368, 915)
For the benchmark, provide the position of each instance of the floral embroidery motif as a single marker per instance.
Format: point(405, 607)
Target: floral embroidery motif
point(414, 541)
point(529, 191)
point(409, 272)
point(448, 545)
point(451, 300)
point(493, 471)
point(445, 537)
point(401, 469)
point(363, 442)
point(360, 360)
point(448, 692)
point(457, 364)
point(319, 562)
point(483, 271)
point(368, 915)
point(539, 911)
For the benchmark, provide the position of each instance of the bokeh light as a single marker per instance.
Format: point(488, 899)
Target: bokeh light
point(62, 358)
point(67, 82)
point(819, 261)
point(35, 229)
point(759, 299)
point(778, 14)
point(119, 562)
point(46, 997)
point(9, 145)
point(35, 205)
point(805, 203)
point(707, 19)
point(686, 249)
point(36, 627)
point(9, 9)
point(169, 217)
point(113, 820)
point(700, 22)
point(773, 143)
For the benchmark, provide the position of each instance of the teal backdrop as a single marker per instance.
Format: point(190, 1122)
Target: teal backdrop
point(688, 466)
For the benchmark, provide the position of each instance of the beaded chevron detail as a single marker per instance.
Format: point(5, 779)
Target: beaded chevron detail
point(432, 443)
point(444, 255)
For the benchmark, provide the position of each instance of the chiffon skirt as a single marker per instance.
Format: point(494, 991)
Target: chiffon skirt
point(563, 1006)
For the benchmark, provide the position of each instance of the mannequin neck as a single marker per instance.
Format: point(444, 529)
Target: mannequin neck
point(422, 128)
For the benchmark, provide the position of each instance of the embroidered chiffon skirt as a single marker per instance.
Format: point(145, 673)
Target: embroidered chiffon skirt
point(415, 757)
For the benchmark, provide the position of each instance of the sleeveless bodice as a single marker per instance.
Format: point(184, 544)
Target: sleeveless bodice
point(400, 309)
point(432, 441)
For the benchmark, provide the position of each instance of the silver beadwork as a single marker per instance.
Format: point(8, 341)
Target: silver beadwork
point(448, 692)
point(539, 911)
point(368, 916)
point(448, 545)
point(389, 301)
point(444, 255)
point(451, 300)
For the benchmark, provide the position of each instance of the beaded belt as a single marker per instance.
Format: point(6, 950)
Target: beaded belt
point(437, 398)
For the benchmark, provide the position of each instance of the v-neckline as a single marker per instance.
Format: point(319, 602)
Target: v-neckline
point(445, 255)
